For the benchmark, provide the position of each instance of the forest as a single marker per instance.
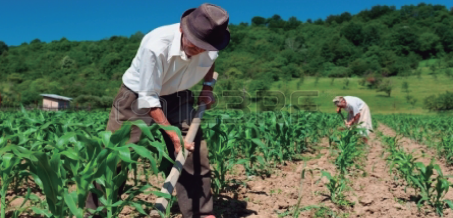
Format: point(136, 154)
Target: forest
point(381, 41)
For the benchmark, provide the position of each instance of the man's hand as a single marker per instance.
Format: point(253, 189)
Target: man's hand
point(348, 124)
point(175, 139)
point(206, 96)
point(159, 117)
point(338, 109)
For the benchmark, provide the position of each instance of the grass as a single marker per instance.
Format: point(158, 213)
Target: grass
point(379, 103)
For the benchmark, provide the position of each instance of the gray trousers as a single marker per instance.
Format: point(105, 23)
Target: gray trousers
point(194, 185)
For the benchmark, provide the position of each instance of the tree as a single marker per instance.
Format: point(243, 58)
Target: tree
point(292, 23)
point(430, 44)
point(411, 100)
point(319, 22)
point(276, 22)
point(3, 47)
point(442, 102)
point(405, 87)
point(385, 86)
point(432, 68)
point(137, 37)
point(345, 83)
point(259, 21)
point(67, 63)
point(317, 77)
point(353, 32)
point(404, 40)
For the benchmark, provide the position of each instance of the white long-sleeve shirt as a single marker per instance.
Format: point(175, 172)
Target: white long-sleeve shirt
point(354, 104)
point(160, 67)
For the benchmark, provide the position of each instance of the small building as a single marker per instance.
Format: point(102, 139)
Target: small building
point(54, 102)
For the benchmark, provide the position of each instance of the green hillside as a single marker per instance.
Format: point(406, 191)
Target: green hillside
point(419, 87)
point(381, 42)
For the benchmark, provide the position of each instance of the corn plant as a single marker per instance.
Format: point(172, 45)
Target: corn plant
point(221, 147)
point(58, 154)
point(445, 148)
point(432, 188)
point(8, 163)
point(336, 186)
point(349, 149)
point(64, 153)
point(427, 129)
point(405, 165)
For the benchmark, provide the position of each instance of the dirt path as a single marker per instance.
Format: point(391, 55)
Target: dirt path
point(372, 193)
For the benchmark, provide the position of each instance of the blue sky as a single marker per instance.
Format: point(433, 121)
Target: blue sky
point(25, 20)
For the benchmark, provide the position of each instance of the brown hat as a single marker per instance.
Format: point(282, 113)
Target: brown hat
point(206, 27)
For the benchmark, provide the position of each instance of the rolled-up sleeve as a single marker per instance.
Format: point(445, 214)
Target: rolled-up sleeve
point(151, 79)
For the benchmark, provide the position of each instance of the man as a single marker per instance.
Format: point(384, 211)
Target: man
point(358, 112)
point(170, 60)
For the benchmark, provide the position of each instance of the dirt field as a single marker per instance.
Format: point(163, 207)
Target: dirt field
point(375, 192)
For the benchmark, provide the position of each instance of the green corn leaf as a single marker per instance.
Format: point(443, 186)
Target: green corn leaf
point(122, 135)
point(146, 154)
point(118, 203)
point(124, 154)
point(242, 161)
point(174, 129)
point(55, 163)
point(50, 180)
point(260, 160)
point(105, 136)
point(40, 211)
point(449, 203)
point(161, 195)
point(143, 127)
point(161, 152)
point(326, 174)
point(139, 208)
point(70, 153)
point(66, 139)
point(438, 170)
point(35, 177)
point(259, 143)
point(70, 200)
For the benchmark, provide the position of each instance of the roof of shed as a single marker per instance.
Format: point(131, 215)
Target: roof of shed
point(57, 97)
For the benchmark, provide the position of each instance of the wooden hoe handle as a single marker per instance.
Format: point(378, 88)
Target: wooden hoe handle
point(170, 182)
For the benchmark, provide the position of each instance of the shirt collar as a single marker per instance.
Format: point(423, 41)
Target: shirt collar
point(175, 48)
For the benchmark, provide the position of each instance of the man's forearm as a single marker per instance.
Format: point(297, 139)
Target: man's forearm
point(355, 118)
point(158, 116)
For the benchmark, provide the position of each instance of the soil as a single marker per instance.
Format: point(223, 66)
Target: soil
point(374, 191)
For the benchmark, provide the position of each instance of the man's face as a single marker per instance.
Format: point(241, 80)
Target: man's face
point(189, 48)
point(343, 103)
